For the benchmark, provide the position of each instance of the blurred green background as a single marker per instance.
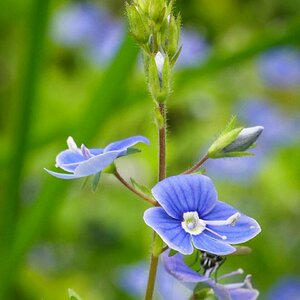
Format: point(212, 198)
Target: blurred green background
point(68, 68)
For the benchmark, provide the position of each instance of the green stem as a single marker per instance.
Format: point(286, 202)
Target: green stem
point(132, 189)
point(197, 165)
point(157, 242)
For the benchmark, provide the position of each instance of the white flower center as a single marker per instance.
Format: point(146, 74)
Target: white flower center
point(194, 225)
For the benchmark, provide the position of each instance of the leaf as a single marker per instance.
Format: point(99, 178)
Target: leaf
point(132, 150)
point(140, 187)
point(73, 295)
point(172, 252)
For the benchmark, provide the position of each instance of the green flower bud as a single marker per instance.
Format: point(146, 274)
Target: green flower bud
point(153, 78)
point(139, 29)
point(173, 35)
point(156, 8)
point(245, 139)
point(143, 5)
point(159, 77)
point(234, 141)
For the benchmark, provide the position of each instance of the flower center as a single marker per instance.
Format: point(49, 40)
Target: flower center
point(194, 225)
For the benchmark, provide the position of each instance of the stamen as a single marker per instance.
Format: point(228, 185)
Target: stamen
point(85, 151)
point(223, 237)
point(71, 144)
point(230, 221)
point(237, 272)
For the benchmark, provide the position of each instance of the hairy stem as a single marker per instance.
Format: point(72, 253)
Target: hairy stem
point(157, 242)
point(131, 188)
point(197, 165)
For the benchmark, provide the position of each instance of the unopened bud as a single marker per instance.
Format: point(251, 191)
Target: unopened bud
point(245, 139)
point(234, 141)
point(159, 77)
point(138, 28)
point(156, 9)
point(173, 36)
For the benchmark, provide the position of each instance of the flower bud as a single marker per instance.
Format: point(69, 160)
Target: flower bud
point(234, 141)
point(245, 139)
point(173, 35)
point(138, 28)
point(159, 77)
point(156, 9)
point(143, 5)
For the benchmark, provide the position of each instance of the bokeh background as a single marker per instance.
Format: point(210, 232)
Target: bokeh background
point(69, 68)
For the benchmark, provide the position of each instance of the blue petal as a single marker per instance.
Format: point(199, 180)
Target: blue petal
point(183, 193)
point(96, 164)
point(245, 228)
point(169, 229)
point(244, 294)
point(68, 160)
point(62, 175)
point(205, 243)
point(126, 143)
point(176, 266)
point(220, 291)
point(96, 151)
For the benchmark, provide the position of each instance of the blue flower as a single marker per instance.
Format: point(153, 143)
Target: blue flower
point(288, 287)
point(81, 162)
point(192, 215)
point(133, 280)
point(195, 49)
point(280, 67)
point(235, 291)
point(90, 27)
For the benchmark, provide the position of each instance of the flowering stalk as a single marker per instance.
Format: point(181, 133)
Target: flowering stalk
point(157, 244)
point(197, 165)
point(131, 188)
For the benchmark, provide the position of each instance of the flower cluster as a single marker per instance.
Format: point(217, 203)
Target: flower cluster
point(186, 214)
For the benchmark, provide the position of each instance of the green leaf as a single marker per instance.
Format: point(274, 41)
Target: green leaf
point(141, 188)
point(172, 252)
point(73, 295)
point(132, 150)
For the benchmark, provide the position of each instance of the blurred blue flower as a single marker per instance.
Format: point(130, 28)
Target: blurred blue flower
point(191, 216)
point(194, 50)
point(279, 131)
point(81, 162)
point(287, 287)
point(280, 67)
point(176, 266)
point(133, 280)
point(88, 26)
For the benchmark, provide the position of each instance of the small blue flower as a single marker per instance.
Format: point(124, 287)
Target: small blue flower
point(287, 287)
point(235, 291)
point(133, 280)
point(280, 67)
point(81, 162)
point(195, 49)
point(192, 215)
point(89, 27)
